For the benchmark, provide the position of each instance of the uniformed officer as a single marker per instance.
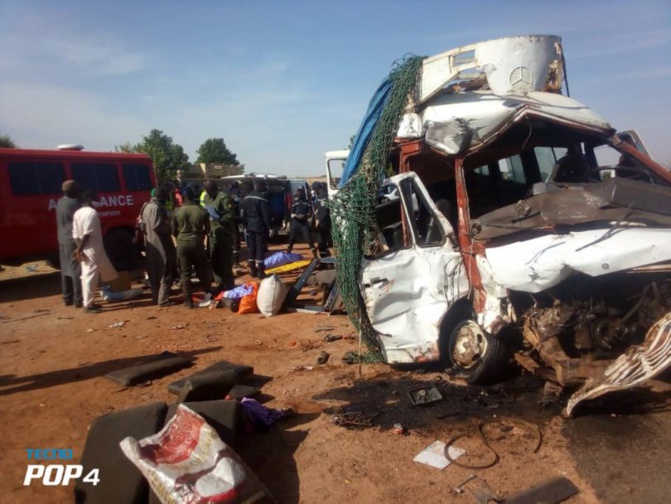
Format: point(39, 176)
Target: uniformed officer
point(190, 225)
point(160, 249)
point(237, 212)
point(256, 217)
point(301, 215)
point(322, 221)
point(222, 220)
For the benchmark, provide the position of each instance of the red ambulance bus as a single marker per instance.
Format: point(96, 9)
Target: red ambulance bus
point(30, 186)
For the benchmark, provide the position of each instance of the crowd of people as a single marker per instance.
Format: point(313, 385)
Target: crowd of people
point(184, 231)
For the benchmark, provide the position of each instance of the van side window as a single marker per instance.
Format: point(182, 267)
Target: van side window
point(137, 177)
point(547, 158)
point(102, 177)
point(389, 234)
point(426, 226)
point(34, 179)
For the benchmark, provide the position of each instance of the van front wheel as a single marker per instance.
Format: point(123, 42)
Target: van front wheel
point(470, 352)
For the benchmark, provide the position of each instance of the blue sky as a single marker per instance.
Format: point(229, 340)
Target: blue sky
point(283, 81)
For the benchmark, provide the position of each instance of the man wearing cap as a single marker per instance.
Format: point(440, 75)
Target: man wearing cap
point(90, 251)
point(71, 271)
point(160, 249)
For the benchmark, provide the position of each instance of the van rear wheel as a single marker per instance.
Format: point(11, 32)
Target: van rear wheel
point(121, 250)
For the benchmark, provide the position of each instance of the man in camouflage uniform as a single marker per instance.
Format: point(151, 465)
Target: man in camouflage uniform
point(191, 224)
point(222, 221)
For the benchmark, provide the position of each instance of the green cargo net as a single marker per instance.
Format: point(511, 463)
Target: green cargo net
point(353, 208)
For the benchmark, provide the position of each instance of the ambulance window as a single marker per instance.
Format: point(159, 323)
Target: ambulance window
point(137, 177)
point(33, 179)
point(102, 177)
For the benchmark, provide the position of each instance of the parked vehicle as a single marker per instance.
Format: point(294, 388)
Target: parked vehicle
point(30, 186)
point(281, 191)
point(524, 225)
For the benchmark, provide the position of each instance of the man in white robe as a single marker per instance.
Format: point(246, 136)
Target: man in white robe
point(90, 251)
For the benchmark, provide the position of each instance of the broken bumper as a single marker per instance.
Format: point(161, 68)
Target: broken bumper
point(635, 366)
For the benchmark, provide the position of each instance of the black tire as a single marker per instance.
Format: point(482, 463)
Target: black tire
point(121, 250)
point(468, 351)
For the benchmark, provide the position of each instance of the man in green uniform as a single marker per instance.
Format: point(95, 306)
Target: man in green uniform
point(222, 221)
point(191, 224)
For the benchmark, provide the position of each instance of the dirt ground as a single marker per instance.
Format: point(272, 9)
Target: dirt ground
point(53, 359)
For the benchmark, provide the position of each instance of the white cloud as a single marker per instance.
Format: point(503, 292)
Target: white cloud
point(53, 42)
point(42, 116)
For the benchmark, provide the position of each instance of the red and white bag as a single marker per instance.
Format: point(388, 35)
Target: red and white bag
point(188, 463)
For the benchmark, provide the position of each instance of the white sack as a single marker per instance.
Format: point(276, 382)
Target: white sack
point(271, 296)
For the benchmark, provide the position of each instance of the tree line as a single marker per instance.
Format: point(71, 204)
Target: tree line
point(168, 157)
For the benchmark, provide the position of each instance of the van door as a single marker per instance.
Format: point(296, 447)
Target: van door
point(414, 272)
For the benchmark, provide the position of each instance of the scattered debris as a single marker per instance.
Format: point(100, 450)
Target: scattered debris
point(483, 493)
point(353, 419)
point(303, 368)
point(41, 313)
point(120, 323)
point(90, 330)
point(330, 338)
point(424, 395)
point(434, 455)
point(459, 489)
point(552, 491)
point(398, 429)
point(323, 358)
point(177, 327)
point(324, 329)
point(64, 318)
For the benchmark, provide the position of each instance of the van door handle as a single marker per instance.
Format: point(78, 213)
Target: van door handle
point(378, 280)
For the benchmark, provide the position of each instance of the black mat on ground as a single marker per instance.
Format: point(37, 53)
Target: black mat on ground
point(242, 391)
point(209, 386)
point(163, 364)
point(120, 481)
point(241, 371)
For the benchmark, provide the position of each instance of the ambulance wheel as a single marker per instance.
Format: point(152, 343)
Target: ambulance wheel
point(121, 250)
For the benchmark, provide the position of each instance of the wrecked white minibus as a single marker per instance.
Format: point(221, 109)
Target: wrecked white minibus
point(518, 223)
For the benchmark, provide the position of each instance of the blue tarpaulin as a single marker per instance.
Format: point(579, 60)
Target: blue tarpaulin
point(370, 119)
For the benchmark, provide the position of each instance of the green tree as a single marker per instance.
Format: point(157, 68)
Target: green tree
point(167, 156)
point(214, 150)
point(5, 141)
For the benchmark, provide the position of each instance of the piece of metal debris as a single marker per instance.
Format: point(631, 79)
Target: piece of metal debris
point(353, 419)
point(483, 493)
point(424, 395)
point(459, 489)
point(552, 491)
